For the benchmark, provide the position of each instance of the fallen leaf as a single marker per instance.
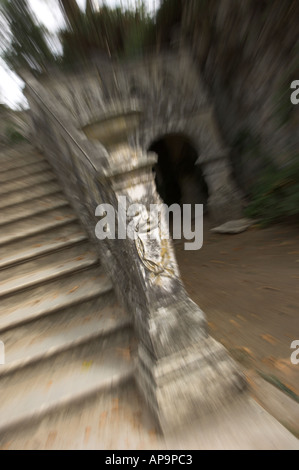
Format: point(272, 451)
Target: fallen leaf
point(115, 404)
point(103, 418)
point(49, 384)
point(124, 352)
point(6, 445)
point(73, 289)
point(87, 434)
point(270, 339)
point(51, 439)
point(248, 351)
point(86, 365)
point(269, 288)
point(241, 318)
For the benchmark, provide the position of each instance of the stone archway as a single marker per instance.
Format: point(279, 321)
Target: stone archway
point(172, 98)
point(179, 178)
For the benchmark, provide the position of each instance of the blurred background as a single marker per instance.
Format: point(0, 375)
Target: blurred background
point(247, 53)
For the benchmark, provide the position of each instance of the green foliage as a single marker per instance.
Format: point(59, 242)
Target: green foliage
point(28, 47)
point(110, 31)
point(245, 141)
point(139, 37)
point(275, 196)
point(272, 379)
point(115, 32)
point(3, 108)
point(13, 135)
point(247, 158)
point(168, 17)
point(284, 109)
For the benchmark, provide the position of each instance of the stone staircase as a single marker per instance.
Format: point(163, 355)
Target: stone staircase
point(65, 336)
point(67, 381)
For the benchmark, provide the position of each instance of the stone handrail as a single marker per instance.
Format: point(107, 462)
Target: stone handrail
point(181, 371)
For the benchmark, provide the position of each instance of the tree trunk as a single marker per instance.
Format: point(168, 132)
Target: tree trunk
point(71, 11)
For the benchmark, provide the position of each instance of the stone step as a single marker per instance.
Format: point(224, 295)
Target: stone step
point(21, 172)
point(8, 163)
point(115, 420)
point(47, 242)
point(46, 268)
point(67, 329)
point(29, 194)
point(71, 377)
point(36, 224)
point(19, 151)
point(26, 182)
point(120, 420)
point(66, 338)
point(28, 208)
point(38, 302)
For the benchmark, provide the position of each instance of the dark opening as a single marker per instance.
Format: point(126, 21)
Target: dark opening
point(178, 179)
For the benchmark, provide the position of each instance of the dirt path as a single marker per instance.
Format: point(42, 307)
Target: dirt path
point(248, 286)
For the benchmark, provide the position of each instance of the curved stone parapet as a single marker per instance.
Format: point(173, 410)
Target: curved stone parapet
point(181, 371)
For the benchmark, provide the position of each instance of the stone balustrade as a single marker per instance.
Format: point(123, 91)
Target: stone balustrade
point(181, 371)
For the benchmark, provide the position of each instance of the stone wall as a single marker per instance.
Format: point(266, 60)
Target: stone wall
point(181, 371)
point(247, 52)
point(172, 99)
point(13, 124)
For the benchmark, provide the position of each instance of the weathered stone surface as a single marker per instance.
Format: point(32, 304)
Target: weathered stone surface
point(61, 327)
point(178, 363)
point(234, 226)
point(188, 385)
point(172, 98)
point(181, 371)
point(12, 124)
point(247, 52)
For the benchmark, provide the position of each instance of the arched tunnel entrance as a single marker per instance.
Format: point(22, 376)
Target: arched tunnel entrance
point(179, 180)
